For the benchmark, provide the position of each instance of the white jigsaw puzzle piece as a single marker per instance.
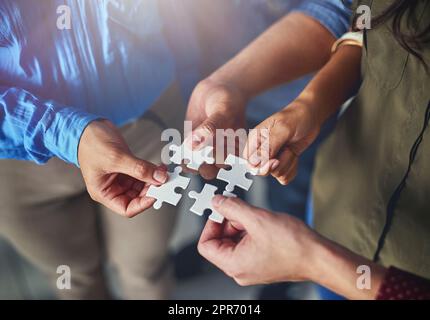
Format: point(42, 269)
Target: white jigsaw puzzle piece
point(194, 158)
point(203, 199)
point(204, 202)
point(236, 175)
point(166, 192)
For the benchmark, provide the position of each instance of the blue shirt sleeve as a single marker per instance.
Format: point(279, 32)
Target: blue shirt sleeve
point(333, 14)
point(37, 130)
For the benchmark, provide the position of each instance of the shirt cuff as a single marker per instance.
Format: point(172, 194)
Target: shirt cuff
point(335, 17)
point(63, 136)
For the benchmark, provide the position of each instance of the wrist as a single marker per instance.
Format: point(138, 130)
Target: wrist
point(88, 137)
point(304, 112)
point(308, 103)
point(336, 268)
point(225, 91)
point(307, 248)
point(227, 80)
point(315, 259)
point(69, 131)
point(320, 259)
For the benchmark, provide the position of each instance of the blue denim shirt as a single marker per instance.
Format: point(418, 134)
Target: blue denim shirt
point(114, 63)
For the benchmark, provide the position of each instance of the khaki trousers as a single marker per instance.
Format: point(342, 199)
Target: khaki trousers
point(47, 215)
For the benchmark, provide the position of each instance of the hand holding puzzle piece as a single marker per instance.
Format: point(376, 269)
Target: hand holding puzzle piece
point(236, 176)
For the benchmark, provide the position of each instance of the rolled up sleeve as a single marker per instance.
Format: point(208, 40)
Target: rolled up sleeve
point(37, 130)
point(335, 15)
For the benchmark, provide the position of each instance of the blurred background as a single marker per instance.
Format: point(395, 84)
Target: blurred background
point(210, 32)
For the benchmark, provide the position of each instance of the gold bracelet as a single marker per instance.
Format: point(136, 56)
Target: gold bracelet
point(348, 39)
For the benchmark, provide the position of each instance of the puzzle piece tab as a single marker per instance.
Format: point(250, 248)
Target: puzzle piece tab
point(194, 158)
point(166, 192)
point(204, 202)
point(236, 175)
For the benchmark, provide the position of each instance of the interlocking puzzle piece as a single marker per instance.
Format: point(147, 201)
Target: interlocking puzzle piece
point(204, 202)
point(236, 175)
point(166, 192)
point(194, 158)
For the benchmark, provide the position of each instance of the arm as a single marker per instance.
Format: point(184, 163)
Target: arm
point(34, 129)
point(336, 269)
point(256, 246)
point(293, 47)
point(37, 130)
point(293, 129)
point(298, 44)
point(334, 84)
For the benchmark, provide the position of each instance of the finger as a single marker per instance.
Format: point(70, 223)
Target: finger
point(256, 148)
point(286, 158)
point(251, 147)
point(142, 170)
point(131, 202)
point(212, 230)
point(267, 168)
point(126, 206)
point(208, 171)
point(265, 142)
point(225, 230)
point(236, 211)
point(138, 205)
point(232, 230)
point(205, 133)
point(286, 177)
point(213, 246)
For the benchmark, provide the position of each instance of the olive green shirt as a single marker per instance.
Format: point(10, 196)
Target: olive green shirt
point(373, 172)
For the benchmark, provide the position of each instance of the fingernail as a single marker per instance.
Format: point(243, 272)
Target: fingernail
point(160, 175)
point(274, 165)
point(218, 200)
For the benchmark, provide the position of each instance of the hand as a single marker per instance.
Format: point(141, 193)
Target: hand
point(113, 176)
point(274, 146)
point(255, 246)
point(214, 105)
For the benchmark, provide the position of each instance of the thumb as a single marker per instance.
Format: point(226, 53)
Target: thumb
point(264, 143)
point(142, 170)
point(236, 211)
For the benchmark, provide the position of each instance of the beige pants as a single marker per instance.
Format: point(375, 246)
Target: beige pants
point(46, 213)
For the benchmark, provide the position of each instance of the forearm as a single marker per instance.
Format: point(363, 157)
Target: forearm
point(335, 268)
point(334, 84)
point(294, 46)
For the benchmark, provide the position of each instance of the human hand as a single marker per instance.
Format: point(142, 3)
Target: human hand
point(255, 246)
point(113, 176)
point(214, 105)
point(274, 146)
